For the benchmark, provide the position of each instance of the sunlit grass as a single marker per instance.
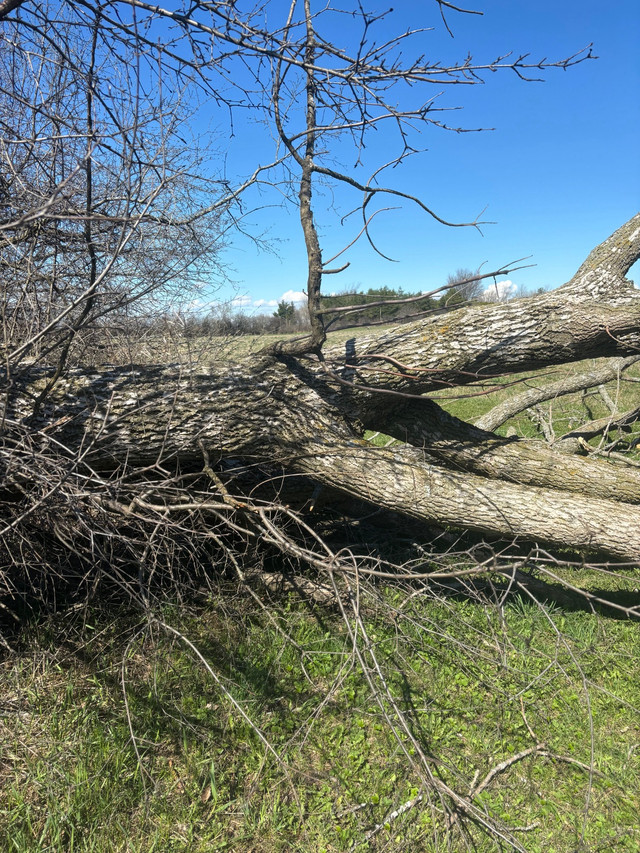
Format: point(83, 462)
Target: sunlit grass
point(476, 681)
point(564, 413)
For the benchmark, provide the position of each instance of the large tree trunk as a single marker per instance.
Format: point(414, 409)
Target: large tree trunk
point(307, 415)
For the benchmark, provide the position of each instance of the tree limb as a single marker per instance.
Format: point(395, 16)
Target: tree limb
point(511, 407)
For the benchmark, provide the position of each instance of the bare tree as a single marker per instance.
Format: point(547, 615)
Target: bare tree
point(464, 285)
point(97, 189)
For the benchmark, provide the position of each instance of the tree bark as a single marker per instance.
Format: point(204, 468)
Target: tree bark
point(307, 415)
point(462, 446)
point(124, 419)
point(595, 314)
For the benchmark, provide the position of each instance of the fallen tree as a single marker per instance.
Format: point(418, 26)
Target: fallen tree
point(302, 408)
point(180, 474)
point(307, 416)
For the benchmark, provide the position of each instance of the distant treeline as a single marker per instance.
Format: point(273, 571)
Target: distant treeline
point(290, 318)
point(222, 322)
point(375, 313)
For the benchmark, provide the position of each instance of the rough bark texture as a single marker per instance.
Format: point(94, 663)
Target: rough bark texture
point(595, 314)
point(464, 447)
point(307, 415)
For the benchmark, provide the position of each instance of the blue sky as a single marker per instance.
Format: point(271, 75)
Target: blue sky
point(559, 172)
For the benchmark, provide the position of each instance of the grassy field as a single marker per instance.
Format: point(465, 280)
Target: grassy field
point(116, 736)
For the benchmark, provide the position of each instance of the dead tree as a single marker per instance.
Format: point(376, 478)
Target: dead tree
point(302, 405)
point(147, 472)
point(307, 415)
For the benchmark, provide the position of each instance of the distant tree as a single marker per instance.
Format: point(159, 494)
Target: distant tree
point(285, 313)
point(377, 305)
point(464, 285)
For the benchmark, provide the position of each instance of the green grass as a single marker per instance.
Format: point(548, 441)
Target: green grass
point(565, 413)
point(469, 678)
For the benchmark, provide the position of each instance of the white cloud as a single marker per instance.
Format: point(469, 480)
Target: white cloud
point(502, 291)
point(243, 301)
point(296, 296)
point(265, 303)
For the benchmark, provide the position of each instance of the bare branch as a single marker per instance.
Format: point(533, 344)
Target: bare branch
point(607, 372)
